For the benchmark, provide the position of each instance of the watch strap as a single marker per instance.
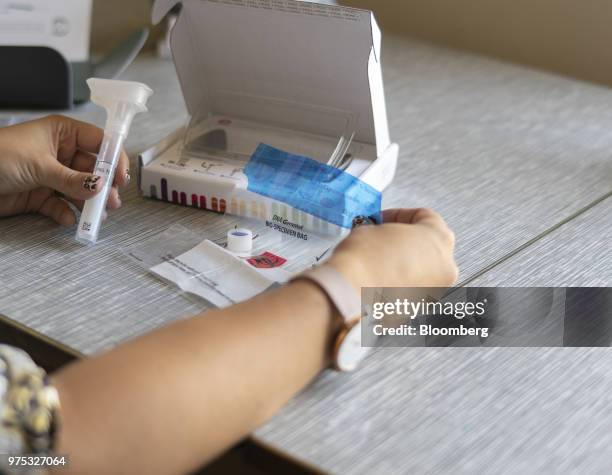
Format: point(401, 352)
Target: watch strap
point(342, 294)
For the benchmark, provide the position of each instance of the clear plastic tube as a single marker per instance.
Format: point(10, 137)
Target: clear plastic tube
point(122, 101)
point(93, 211)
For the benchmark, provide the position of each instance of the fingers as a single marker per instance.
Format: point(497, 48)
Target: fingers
point(87, 137)
point(122, 174)
point(422, 216)
point(74, 134)
point(76, 137)
point(72, 183)
point(77, 183)
point(58, 210)
point(85, 162)
point(413, 216)
point(408, 215)
point(398, 215)
point(113, 202)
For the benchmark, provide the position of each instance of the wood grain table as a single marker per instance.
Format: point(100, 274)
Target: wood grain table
point(520, 164)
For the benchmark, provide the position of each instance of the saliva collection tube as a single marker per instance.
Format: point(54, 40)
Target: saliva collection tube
point(122, 101)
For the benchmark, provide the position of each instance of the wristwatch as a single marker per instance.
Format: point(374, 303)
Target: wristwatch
point(347, 352)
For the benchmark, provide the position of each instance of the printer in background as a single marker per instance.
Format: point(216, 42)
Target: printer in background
point(44, 53)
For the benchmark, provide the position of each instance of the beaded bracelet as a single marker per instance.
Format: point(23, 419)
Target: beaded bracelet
point(30, 404)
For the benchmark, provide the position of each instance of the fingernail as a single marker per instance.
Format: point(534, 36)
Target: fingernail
point(128, 177)
point(91, 183)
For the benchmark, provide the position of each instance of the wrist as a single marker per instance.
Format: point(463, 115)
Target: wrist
point(351, 268)
point(310, 291)
point(344, 295)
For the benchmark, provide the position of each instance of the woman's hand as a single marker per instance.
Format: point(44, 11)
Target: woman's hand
point(413, 248)
point(46, 158)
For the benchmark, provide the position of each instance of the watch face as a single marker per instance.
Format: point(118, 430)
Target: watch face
point(350, 352)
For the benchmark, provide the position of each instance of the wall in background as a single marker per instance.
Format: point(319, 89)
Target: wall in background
point(115, 19)
point(571, 37)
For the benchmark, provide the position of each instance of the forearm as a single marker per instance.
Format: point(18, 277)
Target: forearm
point(173, 399)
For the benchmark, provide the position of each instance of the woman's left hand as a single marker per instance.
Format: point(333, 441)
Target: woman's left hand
point(47, 162)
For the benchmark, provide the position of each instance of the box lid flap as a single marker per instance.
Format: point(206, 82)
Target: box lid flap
point(300, 65)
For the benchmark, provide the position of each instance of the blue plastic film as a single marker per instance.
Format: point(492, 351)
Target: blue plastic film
point(311, 186)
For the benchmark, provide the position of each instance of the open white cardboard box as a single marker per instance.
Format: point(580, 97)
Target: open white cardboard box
point(290, 74)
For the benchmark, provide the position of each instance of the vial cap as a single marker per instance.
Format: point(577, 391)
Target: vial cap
point(240, 240)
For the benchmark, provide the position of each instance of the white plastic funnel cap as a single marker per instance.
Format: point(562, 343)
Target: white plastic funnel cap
point(105, 91)
point(121, 99)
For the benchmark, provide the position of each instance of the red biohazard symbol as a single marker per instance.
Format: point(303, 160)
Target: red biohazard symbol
point(266, 261)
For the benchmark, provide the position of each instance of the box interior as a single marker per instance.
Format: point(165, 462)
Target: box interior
point(310, 75)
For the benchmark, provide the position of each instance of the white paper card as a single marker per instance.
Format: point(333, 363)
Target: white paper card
point(217, 275)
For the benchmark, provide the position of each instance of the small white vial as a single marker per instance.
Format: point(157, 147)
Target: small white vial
point(240, 241)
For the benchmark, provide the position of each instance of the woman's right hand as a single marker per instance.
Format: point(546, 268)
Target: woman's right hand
point(412, 248)
point(44, 157)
